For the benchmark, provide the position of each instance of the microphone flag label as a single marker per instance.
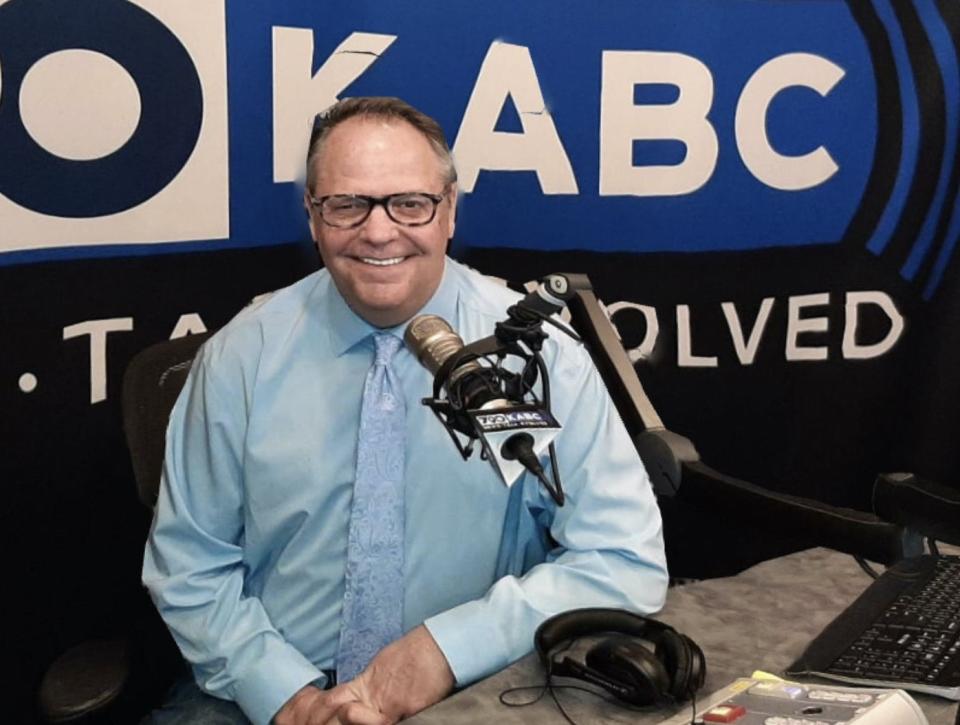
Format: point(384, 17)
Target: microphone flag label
point(495, 426)
point(515, 417)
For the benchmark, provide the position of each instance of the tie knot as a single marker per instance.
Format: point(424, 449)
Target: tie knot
point(387, 346)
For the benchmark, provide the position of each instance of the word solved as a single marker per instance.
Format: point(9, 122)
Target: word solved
point(802, 321)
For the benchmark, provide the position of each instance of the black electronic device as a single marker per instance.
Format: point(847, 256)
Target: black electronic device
point(903, 631)
point(639, 661)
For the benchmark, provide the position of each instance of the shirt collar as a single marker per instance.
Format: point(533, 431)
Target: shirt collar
point(346, 328)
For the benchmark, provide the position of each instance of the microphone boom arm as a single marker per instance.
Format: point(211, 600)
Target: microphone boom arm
point(671, 459)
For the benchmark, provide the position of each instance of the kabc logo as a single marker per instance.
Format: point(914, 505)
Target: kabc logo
point(113, 122)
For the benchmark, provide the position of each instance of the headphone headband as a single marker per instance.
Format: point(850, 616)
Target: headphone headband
point(576, 623)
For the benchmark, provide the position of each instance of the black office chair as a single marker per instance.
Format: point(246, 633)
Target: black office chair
point(151, 384)
point(104, 681)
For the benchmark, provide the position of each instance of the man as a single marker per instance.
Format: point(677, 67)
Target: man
point(250, 559)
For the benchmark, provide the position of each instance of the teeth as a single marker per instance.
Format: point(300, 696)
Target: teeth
point(381, 262)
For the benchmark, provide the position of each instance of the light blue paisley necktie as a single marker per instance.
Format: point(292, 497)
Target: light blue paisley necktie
point(373, 596)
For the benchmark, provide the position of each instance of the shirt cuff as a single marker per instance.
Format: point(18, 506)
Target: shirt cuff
point(270, 682)
point(471, 641)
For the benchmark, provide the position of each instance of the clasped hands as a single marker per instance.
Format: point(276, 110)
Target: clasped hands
point(402, 679)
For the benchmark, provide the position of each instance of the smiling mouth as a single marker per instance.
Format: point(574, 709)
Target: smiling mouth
point(381, 262)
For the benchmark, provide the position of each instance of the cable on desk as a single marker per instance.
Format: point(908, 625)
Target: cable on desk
point(871, 572)
point(544, 688)
point(864, 564)
point(548, 686)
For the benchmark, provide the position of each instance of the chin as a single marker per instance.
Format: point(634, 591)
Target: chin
point(385, 309)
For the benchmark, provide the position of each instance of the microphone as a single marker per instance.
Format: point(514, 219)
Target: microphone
point(434, 343)
point(512, 432)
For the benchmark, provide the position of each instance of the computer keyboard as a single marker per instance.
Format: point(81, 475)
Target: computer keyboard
point(903, 631)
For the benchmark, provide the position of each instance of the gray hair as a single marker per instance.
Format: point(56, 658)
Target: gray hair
point(379, 107)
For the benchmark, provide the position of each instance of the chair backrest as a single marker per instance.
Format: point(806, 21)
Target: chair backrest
point(151, 383)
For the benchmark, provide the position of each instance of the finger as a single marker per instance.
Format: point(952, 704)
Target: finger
point(324, 709)
point(340, 695)
point(357, 713)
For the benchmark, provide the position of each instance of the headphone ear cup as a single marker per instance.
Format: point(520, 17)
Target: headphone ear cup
point(674, 653)
point(698, 664)
point(629, 663)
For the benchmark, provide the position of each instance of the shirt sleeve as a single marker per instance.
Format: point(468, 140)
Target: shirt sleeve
point(609, 538)
point(193, 563)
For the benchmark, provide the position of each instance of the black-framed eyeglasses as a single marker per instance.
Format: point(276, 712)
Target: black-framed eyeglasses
point(345, 211)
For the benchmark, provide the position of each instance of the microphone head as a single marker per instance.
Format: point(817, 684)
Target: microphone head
point(470, 384)
point(432, 340)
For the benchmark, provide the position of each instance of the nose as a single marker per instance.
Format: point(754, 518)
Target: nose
point(379, 228)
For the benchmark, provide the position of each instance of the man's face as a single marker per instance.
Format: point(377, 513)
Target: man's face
point(385, 271)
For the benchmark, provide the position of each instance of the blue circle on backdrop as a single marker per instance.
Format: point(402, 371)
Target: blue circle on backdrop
point(170, 95)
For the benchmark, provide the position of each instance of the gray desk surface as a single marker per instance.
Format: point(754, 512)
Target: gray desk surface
point(762, 619)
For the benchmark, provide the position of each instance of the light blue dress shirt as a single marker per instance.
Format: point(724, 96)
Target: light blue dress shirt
point(245, 559)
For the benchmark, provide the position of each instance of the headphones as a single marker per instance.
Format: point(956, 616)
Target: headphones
point(622, 665)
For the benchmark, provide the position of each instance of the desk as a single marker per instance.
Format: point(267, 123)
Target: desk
point(762, 618)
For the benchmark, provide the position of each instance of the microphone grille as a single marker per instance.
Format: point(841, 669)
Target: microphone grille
point(432, 340)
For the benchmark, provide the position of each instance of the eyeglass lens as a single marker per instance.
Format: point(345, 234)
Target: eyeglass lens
point(412, 209)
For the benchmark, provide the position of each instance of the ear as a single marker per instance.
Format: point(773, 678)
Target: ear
point(452, 218)
point(310, 216)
